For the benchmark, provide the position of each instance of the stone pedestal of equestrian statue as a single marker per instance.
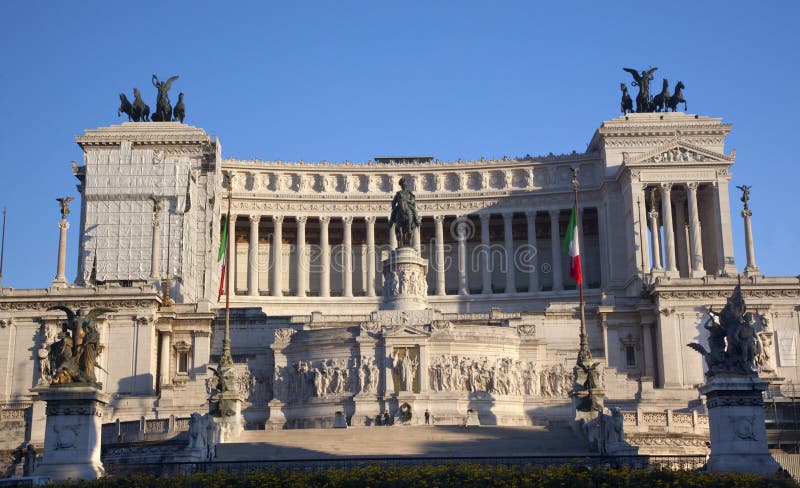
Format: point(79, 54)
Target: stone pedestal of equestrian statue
point(72, 432)
point(736, 421)
point(404, 280)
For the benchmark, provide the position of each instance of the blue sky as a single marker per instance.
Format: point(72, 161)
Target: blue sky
point(352, 80)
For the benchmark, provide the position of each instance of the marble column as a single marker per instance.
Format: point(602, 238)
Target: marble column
point(669, 234)
point(370, 255)
point(722, 214)
point(324, 258)
point(655, 234)
point(647, 349)
point(166, 345)
point(417, 237)
point(486, 268)
point(751, 268)
point(640, 199)
point(347, 257)
point(681, 253)
point(508, 234)
point(695, 239)
point(155, 258)
point(362, 253)
point(461, 233)
point(277, 256)
point(392, 237)
point(232, 254)
point(533, 253)
point(555, 243)
point(252, 257)
point(441, 290)
point(61, 277)
point(302, 257)
point(602, 232)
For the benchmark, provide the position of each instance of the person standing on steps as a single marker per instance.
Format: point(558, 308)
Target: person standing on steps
point(427, 417)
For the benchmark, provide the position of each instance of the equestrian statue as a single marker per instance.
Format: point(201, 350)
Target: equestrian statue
point(404, 215)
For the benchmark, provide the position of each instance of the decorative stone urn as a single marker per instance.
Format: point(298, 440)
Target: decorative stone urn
point(404, 280)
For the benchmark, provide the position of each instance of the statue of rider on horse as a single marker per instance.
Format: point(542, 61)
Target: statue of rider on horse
point(404, 215)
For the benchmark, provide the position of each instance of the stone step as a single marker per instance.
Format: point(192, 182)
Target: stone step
point(399, 441)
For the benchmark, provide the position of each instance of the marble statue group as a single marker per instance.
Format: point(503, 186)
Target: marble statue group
point(733, 340)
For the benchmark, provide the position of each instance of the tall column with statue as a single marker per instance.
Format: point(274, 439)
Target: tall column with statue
point(751, 268)
point(61, 278)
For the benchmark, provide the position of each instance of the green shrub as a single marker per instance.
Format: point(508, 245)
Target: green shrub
point(450, 475)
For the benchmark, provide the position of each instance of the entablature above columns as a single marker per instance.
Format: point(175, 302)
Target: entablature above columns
point(451, 180)
point(241, 206)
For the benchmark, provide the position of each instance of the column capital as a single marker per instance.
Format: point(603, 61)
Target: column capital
point(554, 212)
point(278, 219)
point(63, 224)
point(531, 214)
point(370, 219)
point(347, 219)
point(301, 219)
point(325, 220)
point(484, 217)
point(461, 229)
point(507, 216)
point(234, 216)
point(438, 218)
point(665, 186)
point(692, 186)
point(254, 219)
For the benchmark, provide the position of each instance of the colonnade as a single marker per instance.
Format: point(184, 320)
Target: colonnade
point(682, 251)
point(514, 247)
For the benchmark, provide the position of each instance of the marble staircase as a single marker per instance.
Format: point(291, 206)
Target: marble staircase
point(402, 441)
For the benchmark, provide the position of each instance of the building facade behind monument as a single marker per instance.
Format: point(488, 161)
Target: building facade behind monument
point(499, 334)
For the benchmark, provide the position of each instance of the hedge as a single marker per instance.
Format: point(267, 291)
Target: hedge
point(450, 475)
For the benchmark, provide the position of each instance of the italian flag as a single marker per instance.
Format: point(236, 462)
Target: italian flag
point(573, 247)
point(222, 256)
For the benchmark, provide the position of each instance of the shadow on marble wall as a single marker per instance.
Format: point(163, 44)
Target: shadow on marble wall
point(140, 384)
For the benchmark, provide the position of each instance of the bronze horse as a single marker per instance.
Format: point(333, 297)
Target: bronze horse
point(626, 104)
point(677, 98)
point(125, 107)
point(141, 111)
point(660, 101)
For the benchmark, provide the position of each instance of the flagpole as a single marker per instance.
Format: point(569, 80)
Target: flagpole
point(584, 354)
point(3, 246)
point(226, 359)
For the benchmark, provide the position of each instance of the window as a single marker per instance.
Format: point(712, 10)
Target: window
point(183, 362)
point(630, 356)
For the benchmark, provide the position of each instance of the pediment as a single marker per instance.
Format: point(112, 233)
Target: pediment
point(404, 331)
point(678, 153)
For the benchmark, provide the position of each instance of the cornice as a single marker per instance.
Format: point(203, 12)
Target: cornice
point(433, 166)
point(42, 299)
point(145, 133)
